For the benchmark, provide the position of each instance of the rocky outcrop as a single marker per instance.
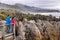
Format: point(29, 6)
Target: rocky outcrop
point(39, 30)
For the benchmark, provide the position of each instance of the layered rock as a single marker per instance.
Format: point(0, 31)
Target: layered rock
point(39, 30)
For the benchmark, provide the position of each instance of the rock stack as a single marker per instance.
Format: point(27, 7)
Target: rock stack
point(39, 30)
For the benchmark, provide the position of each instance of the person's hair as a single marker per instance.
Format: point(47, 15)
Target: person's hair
point(7, 15)
point(12, 17)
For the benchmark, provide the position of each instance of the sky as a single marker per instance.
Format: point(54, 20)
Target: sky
point(46, 4)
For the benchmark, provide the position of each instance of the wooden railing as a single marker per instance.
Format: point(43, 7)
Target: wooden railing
point(4, 35)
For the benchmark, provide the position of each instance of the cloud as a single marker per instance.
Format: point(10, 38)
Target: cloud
point(7, 1)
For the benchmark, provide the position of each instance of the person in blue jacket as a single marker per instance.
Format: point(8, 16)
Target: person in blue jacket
point(7, 23)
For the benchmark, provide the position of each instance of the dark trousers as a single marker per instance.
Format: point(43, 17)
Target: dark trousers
point(7, 28)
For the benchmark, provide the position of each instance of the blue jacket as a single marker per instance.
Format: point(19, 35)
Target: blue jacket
point(7, 20)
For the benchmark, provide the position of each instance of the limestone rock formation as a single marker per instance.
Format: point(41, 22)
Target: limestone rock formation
point(39, 30)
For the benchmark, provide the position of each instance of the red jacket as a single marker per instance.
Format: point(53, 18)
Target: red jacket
point(12, 21)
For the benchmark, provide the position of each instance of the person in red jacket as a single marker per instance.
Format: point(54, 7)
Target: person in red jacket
point(12, 24)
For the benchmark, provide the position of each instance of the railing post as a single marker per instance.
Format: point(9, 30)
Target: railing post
point(3, 33)
point(14, 32)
